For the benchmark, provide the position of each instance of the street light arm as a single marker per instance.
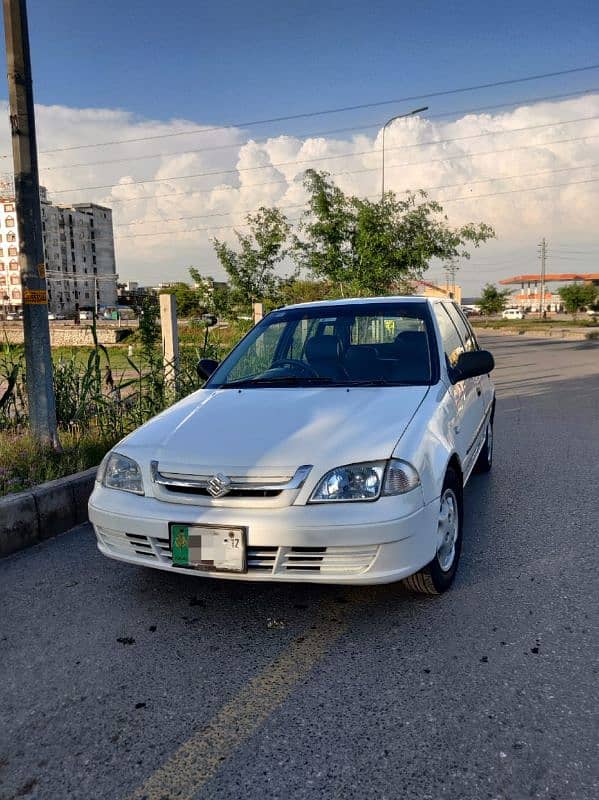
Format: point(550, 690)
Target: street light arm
point(389, 121)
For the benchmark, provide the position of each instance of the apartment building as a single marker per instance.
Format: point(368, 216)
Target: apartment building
point(78, 254)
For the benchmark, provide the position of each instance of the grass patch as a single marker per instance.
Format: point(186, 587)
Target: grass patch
point(532, 323)
point(24, 463)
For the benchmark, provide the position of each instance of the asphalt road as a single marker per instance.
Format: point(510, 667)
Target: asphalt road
point(118, 682)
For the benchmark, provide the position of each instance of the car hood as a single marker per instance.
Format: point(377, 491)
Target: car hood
point(264, 430)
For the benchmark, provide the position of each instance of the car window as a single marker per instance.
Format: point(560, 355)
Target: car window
point(382, 329)
point(452, 342)
point(261, 355)
point(465, 331)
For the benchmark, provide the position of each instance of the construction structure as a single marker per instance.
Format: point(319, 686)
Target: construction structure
point(536, 295)
point(449, 291)
point(79, 256)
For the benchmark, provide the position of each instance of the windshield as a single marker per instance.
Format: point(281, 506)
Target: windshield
point(386, 344)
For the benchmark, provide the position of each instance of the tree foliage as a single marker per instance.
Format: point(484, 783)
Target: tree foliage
point(577, 296)
point(369, 248)
point(252, 267)
point(188, 299)
point(492, 299)
point(344, 245)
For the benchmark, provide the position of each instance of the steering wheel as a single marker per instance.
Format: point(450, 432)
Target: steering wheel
point(294, 362)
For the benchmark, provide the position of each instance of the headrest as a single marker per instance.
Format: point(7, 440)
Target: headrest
point(361, 353)
point(323, 348)
point(412, 339)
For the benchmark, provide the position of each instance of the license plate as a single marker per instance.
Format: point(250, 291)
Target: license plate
point(204, 547)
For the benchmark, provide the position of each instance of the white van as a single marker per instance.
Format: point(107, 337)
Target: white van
point(512, 313)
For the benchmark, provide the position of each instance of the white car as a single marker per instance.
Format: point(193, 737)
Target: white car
point(512, 313)
point(332, 445)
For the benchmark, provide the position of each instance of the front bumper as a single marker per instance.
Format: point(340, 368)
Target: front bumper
point(357, 543)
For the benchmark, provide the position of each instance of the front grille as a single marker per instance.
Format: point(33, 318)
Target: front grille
point(202, 492)
point(273, 488)
point(267, 560)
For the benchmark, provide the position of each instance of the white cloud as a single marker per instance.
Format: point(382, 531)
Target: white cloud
point(247, 174)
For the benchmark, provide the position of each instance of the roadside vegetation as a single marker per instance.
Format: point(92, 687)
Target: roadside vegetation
point(101, 395)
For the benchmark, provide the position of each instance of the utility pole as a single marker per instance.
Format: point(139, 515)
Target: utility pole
point(543, 257)
point(38, 358)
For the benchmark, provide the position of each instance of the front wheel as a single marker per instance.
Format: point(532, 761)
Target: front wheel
point(484, 462)
point(438, 575)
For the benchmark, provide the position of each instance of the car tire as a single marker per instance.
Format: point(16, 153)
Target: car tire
point(484, 462)
point(438, 575)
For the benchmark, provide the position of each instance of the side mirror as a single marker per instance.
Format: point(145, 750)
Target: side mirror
point(471, 364)
point(206, 367)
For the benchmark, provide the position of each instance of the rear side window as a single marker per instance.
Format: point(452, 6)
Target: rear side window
point(452, 342)
point(465, 331)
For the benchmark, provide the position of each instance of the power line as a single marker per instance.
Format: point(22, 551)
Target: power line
point(306, 137)
point(514, 191)
point(299, 205)
point(227, 188)
point(328, 111)
point(448, 200)
point(332, 157)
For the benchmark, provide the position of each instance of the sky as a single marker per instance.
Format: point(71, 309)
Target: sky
point(110, 71)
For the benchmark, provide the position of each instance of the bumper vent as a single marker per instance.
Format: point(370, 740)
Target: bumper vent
point(268, 560)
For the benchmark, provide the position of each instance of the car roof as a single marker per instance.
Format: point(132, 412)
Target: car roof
point(357, 301)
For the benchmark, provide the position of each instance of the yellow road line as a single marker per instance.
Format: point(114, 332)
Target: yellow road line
point(196, 761)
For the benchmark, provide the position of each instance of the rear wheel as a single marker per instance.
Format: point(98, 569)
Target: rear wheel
point(438, 575)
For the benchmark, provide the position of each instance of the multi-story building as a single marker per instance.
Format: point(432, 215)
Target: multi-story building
point(78, 254)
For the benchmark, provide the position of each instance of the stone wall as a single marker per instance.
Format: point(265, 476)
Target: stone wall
point(65, 336)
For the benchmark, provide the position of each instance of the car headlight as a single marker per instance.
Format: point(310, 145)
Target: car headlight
point(120, 472)
point(366, 481)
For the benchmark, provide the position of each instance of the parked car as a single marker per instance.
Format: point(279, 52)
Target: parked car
point(332, 445)
point(86, 315)
point(512, 313)
point(593, 312)
point(13, 317)
point(51, 315)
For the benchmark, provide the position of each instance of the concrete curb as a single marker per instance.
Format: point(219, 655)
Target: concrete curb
point(29, 517)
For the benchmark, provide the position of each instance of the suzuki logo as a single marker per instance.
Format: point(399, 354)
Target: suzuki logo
point(219, 485)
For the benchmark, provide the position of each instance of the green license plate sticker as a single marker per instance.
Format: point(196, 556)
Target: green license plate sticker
point(180, 545)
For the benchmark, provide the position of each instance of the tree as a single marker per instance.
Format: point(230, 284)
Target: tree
point(251, 269)
point(493, 300)
point(577, 296)
point(188, 300)
point(369, 248)
point(212, 299)
point(294, 290)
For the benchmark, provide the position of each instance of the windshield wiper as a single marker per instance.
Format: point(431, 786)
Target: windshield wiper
point(280, 380)
point(376, 382)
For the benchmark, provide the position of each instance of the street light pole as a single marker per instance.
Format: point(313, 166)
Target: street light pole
point(385, 126)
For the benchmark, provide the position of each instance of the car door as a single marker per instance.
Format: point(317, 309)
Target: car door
point(466, 394)
point(484, 381)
